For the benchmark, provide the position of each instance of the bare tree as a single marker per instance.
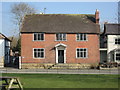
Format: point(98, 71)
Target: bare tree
point(19, 11)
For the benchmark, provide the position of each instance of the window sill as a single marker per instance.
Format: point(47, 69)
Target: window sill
point(82, 58)
point(38, 58)
point(61, 40)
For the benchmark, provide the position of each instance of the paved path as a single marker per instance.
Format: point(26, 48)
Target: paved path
point(86, 71)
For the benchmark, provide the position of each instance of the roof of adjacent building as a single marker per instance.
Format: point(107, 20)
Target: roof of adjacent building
point(112, 29)
point(60, 23)
point(4, 37)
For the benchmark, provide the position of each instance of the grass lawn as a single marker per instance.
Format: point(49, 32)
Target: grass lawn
point(67, 80)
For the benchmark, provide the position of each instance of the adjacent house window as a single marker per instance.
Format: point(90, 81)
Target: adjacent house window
point(117, 41)
point(38, 52)
point(81, 52)
point(38, 36)
point(117, 56)
point(60, 37)
point(81, 37)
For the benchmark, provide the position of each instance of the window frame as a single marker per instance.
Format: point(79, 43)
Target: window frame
point(37, 34)
point(82, 36)
point(62, 37)
point(38, 57)
point(83, 52)
point(115, 56)
point(117, 41)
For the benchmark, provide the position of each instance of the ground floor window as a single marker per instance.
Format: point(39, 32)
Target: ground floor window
point(81, 53)
point(117, 56)
point(39, 52)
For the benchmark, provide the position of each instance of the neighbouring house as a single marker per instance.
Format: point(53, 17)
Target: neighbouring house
point(60, 38)
point(4, 50)
point(110, 43)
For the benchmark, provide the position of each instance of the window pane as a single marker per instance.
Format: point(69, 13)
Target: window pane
point(78, 36)
point(117, 58)
point(77, 49)
point(118, 40)
point(64, 36)
point(39, 36)
point(84, 54)
point(78, 54)
point(38, 50)
point(60, 36)
point(84, 36)
point(56, 36)
point(85, 50)
point(81, 37)
point(35, 54)
point(81, 49)
point(115, 41)
point(41, 49)
point(39, 54)
point(42, 54)
point(35, 37)
point(117, 55)
point(81, 54)
point(42, 36)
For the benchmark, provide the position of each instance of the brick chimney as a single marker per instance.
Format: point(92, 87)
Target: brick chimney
point(97, 16)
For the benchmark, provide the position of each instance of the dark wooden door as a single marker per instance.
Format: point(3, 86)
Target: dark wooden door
point(60, 56)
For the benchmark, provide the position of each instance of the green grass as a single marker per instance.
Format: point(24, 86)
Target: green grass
point(67, 80)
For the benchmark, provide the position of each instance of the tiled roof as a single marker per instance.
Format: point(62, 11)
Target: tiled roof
point(112, 29)
point(60, 23)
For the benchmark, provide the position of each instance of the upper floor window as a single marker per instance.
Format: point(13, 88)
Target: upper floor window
point(81, 37)
point(61, 37)
point(38, 52)
point(81, 52)
point(38, 36)
point(117, 41)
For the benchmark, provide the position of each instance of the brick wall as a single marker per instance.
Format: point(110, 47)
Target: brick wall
point(27, 45)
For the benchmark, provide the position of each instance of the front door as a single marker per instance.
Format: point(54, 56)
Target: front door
point(60, 56)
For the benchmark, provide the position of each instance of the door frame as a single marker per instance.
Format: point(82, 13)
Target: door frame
point(60, 47)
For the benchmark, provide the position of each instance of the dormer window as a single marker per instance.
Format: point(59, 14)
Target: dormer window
point(38, 36)
point(61, 37)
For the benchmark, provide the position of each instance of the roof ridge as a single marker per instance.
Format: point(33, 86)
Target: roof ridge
point(58, 14)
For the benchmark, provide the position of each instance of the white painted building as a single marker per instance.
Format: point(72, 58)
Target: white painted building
point(4, 50)
point(110, 47)
point(113, 48)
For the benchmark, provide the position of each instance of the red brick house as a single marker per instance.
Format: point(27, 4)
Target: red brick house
point(60, 38)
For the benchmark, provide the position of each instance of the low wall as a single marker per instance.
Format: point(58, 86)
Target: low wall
point(57, 66)
point(1, 62)
point(35, 65)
